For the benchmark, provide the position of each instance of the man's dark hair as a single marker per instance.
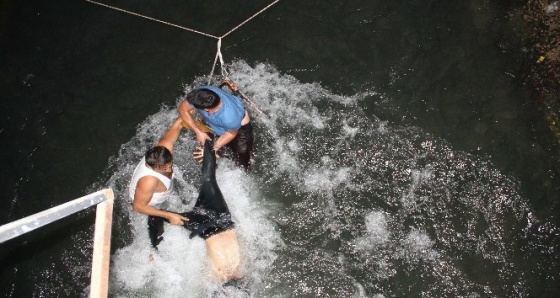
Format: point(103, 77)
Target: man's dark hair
point(203, 99)
point(158, 156)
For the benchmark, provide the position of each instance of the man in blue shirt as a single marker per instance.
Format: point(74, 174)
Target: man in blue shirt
point(225, 114)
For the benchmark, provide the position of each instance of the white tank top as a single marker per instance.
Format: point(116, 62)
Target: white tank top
point(141, 171)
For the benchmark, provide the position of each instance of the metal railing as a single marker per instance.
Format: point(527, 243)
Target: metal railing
point(102, 235)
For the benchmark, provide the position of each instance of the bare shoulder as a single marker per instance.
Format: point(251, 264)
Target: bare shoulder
point(147, 183)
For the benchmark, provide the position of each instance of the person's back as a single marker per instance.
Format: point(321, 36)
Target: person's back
point(224, 255)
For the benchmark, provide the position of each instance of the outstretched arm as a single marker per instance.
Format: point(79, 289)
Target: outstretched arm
point(172, 135)
point(185, 113)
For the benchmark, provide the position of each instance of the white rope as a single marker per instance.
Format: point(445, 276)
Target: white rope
point(247, 20)
point(218, 56)
point(181, 27)
point(218, 53)
point(250, 103)
point(152, 19)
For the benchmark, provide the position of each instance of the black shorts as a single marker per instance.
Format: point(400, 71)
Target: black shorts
point(155, 230)
point(207, 223)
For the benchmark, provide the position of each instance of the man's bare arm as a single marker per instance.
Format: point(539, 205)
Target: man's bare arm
point(145, 189)
point(185, 113)
point(172, 135)
point(224, 139)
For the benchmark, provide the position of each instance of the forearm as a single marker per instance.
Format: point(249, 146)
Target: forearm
point(224, 139)
point(152, 211)
point(172, 135)
point(174, 131)
point(185, 113)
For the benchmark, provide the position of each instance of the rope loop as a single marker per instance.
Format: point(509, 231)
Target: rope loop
point(222, 64)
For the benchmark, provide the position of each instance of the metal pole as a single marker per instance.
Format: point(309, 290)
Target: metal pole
point(32, 222)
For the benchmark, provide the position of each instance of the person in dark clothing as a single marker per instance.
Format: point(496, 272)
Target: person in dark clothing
point(211, 220)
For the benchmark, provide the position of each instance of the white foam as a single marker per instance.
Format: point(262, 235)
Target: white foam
point(325, 179)
point(358, 201)
point(420, 245)
point(180, 266)
point(376, 225)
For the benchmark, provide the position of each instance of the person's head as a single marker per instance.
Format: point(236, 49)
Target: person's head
point(160, 159)
point(203, 99)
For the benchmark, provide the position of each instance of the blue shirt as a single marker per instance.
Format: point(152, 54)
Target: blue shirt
point(230, 114)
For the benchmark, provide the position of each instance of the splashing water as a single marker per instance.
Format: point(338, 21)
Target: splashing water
point(340, 204)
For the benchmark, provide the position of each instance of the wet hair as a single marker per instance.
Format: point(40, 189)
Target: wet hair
point(203, 99)
point(158, 156)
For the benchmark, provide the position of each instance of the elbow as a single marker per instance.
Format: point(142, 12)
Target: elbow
point(181, 109)
point(184, 107)
point(137, 208)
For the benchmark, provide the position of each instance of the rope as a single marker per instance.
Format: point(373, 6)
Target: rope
point(218, 53)
point(153, 19)
point(247, 20)
point(181, 27)
point(252, 104)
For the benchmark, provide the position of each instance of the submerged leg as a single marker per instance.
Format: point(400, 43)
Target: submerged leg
point(155, 230)
point(242, 147)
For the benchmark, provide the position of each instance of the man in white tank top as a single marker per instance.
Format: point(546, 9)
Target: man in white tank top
point(152, 183)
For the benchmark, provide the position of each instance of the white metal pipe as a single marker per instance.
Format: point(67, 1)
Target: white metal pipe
point(32, 222)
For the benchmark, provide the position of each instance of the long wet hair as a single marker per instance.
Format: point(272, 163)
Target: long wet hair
point(158, 156)
point(203, 99)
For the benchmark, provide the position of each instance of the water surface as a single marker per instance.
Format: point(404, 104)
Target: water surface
point(398, 153)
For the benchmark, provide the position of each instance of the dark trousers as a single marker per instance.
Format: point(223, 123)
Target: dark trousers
point(241, 147)
point(155, 230)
